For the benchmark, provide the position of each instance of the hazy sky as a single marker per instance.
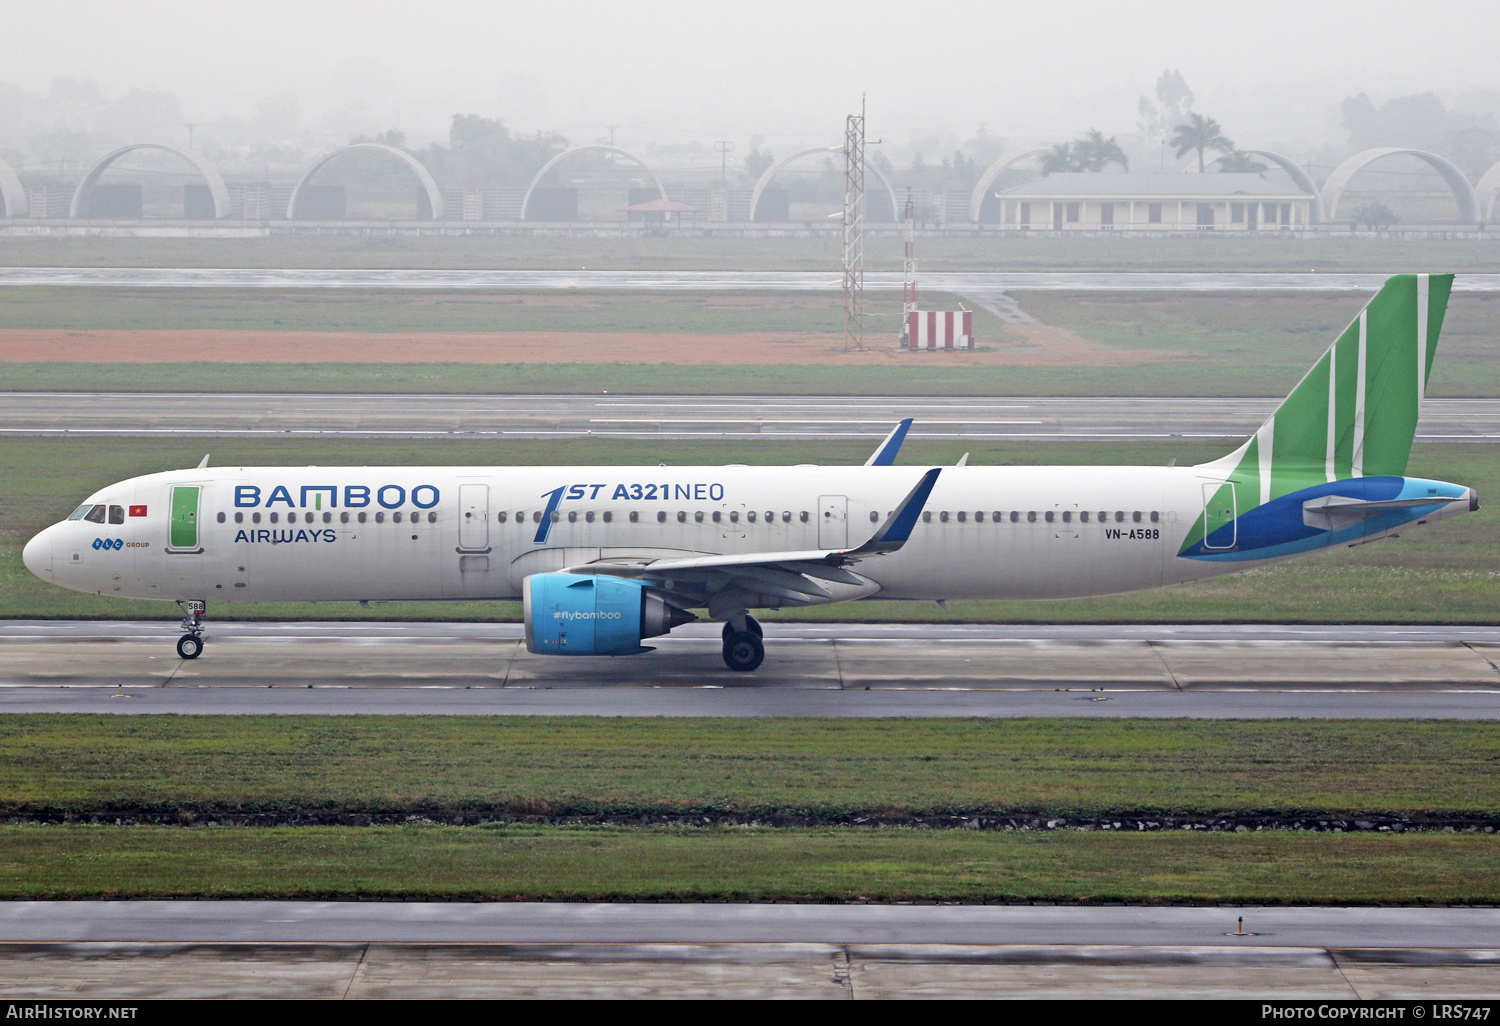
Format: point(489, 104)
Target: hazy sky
point(663, 70)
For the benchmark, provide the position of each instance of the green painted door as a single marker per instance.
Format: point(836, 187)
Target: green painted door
point(184, 517)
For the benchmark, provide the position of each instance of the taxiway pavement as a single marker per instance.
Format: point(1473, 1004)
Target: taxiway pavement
point(860, 670)
point(86, 414)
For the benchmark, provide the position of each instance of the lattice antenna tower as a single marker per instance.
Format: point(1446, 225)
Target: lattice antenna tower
point(854, 229)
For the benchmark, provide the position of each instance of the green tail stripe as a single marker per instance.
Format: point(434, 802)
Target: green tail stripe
point(1355, 412)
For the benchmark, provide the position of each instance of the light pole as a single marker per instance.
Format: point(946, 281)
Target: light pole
point(723, 147)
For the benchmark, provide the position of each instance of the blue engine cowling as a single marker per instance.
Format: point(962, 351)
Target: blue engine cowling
point(581, 614)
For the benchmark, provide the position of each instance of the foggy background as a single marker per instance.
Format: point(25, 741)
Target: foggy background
point(663, 74)
point(484, 93)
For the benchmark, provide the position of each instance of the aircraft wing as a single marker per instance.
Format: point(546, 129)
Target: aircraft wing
point(796, 577)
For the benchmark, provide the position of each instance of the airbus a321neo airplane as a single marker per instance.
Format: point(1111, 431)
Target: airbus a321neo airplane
point(604, 557)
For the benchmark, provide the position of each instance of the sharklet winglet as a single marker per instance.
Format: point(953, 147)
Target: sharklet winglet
point(885, 454)
point(898, 526)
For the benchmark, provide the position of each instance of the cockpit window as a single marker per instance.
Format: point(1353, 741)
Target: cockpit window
point(81, 511)
point(95, 515)
point(117, 514)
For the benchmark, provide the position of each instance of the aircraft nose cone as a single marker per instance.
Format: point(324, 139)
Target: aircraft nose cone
point(37, 555)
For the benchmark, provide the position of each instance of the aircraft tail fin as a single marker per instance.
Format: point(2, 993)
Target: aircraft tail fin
point(1355, 413)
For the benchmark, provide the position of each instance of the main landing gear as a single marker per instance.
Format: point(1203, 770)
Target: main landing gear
point(190, 645)
point(743, 650)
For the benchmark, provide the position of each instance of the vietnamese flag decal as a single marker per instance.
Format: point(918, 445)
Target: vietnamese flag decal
point(137, 511)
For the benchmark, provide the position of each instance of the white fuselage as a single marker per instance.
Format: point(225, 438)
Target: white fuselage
point(389, 533)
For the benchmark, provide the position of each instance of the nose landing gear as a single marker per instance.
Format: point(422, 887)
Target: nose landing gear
point(190, 645)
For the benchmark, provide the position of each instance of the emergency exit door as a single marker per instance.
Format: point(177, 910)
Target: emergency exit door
point(474, 517)
point(833, 521)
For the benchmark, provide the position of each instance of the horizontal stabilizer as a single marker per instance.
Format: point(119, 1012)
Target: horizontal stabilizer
point(1334, 512)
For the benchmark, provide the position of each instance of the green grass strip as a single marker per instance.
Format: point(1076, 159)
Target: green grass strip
point(614, 863)
point(833, 768)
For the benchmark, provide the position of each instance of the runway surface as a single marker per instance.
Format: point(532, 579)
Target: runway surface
point(811, 670)
point(800, 281)
point(88, 414)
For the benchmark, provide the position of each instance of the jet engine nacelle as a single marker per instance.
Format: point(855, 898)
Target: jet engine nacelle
point(582, 614)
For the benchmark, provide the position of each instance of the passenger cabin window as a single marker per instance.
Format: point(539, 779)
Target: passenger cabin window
point(661, 516)
point(1119, 517)
point(344, 517)
point(962, 516)
point(927, 516)
point(501, 516)
point(1015, 516)
point(1067, 516)
point(1136, 517)
point(396, 516)
point(239, 518)
point(219, 518)
point(717, 516)
point(698, 517)
point(734, 516)
point(1155, 516)
point(1031, 517)
point(802, 516)
point(1050, 515)
point(379, 517)
point(1084, 516)
point(750, 516)
point(431, 517)
point(274, 517)
point(681, 516)
point(255, 517)
point(874, 516)
point(943, 516)
point(362, 516)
